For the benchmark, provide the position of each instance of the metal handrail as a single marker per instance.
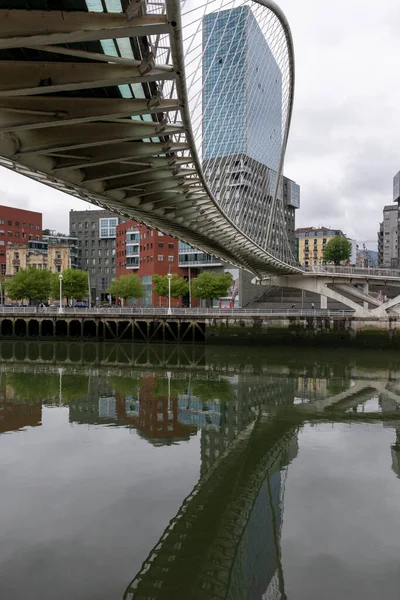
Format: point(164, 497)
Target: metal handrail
point(154, 312)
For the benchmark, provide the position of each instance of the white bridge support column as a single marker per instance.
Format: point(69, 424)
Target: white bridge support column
point(366, 292)
point(319, 285)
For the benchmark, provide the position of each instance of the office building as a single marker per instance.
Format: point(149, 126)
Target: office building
point(388, 238)
point(96, 232)
point(311, 242)
point(17, 226)
point(242, 129)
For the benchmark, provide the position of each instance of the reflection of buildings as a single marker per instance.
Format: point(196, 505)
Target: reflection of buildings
point(153, 415)
point(16, 415)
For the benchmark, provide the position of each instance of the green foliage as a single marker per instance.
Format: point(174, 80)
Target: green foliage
point(126, 286)
point(337, 249)
point(74, 284)
point(32, 283)
point(179, 285)
point(211, 285)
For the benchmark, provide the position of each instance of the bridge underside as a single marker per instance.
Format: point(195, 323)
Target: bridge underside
point(94, 104)
point(355, 293)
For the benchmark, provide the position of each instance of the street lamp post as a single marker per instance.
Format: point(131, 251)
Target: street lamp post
point(60, 277)
point(169, 277)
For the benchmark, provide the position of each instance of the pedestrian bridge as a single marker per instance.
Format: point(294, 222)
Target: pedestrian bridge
point(104, 100)
point(118, 103)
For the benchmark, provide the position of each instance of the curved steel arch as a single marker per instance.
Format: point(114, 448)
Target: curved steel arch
point(23, 150)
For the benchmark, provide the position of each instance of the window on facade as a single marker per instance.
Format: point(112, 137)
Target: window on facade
point(9, 233)
point(16, 255)
point(170, 245)
point(16, 223)
point(3, 269)
point(37, 227)
point(1, 221)
point(30, 225)
point(9, 223)
point(170, 259)
point(24, 235)
point(160, 258)
point(93, 261)
point(108, 227)
point(86, 225)
point(17, 234)
point(58, 254)
point(23, 225)
point(160, 245)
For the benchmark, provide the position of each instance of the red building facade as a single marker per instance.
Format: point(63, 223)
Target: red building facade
point(17, 226)
point(147, 252)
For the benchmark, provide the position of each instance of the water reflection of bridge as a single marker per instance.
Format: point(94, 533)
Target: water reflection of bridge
point(203, 553)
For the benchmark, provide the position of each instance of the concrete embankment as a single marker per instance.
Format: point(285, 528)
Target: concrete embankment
point(237, 328)
point(321, 331)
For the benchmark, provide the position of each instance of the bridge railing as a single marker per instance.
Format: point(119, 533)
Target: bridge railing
point(175, 312)
point(364, 271)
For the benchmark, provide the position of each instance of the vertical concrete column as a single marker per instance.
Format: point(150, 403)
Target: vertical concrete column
point(324, 301)
point(366, 291)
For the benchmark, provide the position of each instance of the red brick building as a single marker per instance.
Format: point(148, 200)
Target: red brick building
point(147, 252)
point(17, 226)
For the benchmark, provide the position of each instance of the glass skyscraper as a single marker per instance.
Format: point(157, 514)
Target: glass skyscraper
point(242, 98)
point(242, 126)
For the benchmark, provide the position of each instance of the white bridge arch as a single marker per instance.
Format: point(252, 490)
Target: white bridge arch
point(102, 99)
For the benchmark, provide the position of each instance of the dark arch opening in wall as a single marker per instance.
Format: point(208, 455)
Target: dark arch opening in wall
point(33, 351)
point(89, 329)
point(100, 330)
point(47, 328)
point(61, 328)
point(75, 329)
point(6, 327)
point(33, 328)
point(20, 328)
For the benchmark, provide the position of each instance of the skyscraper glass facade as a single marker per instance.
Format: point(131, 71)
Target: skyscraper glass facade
point(242, 97)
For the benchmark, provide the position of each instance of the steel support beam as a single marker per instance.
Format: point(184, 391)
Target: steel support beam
point(20, 113)
point(27, 28)
point(25, 78)
point(87, 135)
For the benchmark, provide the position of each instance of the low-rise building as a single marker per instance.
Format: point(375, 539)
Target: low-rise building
point(41, 255)
point(311, 243)
point(147, 252)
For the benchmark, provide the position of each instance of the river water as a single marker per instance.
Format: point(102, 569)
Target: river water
point(198, 473)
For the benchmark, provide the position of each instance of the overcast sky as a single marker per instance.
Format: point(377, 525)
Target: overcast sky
point(343, 148)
